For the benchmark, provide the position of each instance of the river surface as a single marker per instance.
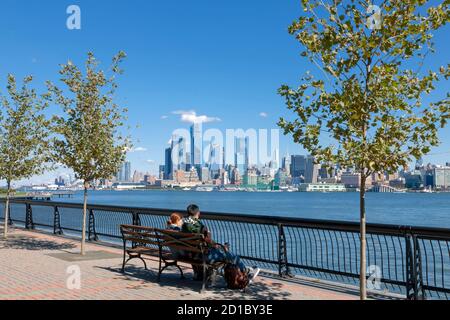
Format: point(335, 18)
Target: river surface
point(419, 209)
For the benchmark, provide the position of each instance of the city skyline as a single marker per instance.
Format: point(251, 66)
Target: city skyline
point(209, 74)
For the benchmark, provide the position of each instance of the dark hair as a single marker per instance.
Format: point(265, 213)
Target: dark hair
point(192, 210)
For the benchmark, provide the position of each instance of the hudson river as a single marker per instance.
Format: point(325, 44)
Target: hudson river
point(420, 209)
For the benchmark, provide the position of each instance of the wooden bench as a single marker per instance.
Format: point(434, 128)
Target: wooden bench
point(171, 247)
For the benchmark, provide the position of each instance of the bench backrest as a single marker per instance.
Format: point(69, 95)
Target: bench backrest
point(148, 236)
point(140, 235)
point(186, 242)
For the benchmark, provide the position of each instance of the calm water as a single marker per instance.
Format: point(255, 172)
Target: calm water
point(418, 209)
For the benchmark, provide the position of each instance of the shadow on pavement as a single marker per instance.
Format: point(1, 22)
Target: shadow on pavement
point(139, 277)
point(21, 242)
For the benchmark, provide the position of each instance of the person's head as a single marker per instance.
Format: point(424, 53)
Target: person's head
point(175, 219)
point(193, 211)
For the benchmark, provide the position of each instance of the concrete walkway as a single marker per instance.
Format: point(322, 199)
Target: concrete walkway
point(35, 266)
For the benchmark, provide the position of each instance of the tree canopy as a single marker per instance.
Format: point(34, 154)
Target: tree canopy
point(24, 143)
point(89, 138)
point(368, 99)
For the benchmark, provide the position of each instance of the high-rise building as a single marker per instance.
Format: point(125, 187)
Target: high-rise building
point(441, 177)
point(286, 164)
point(247, 153)
point(413, 180)
point(162, 169)
point(178, 149)
point(224, 178)
point(204, 174)
point(196, 145)
point(242, 154)
point(251, 177)
point(275, 163)
point(235, 176)
point(298, 166)
point(311, 170)
point(214, 156)
point(127, 168)
point(124, 174)
point(223, 157)
point(168, 167)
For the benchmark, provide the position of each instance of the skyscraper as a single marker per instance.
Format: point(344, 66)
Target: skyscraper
point(275, 163)
point(298, 166)
point(242, 154)
point(214, 156)
point(168, 164)
point(196, 145)
point(311, 170)
point(286, 164)
point(177, 154)
point(247, 153)
point(124, 174)
point(239, 157)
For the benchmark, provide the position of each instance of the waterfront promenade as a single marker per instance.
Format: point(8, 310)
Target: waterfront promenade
point(34, 266)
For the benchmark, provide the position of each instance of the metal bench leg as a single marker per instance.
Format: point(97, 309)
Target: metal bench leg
point(124, 256)
point(142, 259)
point(181, 271)
point(124, 263)
point(160, 269)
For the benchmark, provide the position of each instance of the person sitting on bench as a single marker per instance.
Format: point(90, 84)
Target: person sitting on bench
point(175, 222)
point(217, 253)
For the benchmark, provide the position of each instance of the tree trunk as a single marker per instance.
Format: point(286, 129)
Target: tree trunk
point(362, 211)
point(8, 192)
point(83, 228)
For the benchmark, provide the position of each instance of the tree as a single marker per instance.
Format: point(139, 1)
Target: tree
point(88, 139)
point(24, 143)
point(366, 108)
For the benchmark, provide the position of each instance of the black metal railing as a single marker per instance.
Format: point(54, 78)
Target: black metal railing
point(413, 261)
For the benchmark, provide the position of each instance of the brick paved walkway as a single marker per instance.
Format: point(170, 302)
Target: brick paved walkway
point(31, 268)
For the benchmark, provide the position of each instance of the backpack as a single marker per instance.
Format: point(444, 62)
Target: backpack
point(235, 278)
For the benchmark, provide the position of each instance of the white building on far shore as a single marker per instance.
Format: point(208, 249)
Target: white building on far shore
point(322, 187)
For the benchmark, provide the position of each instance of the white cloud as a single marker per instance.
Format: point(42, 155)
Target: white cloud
point(151, 161)
point(192, 117)
point(137, 149)
point(263, 114)
point(164, 117)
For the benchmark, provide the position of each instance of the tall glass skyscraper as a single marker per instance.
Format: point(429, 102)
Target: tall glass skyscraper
point(298, 166)
point(196, 145)
point(241, 154)
point(178, 149)
point(124, 174)
point(168, 164)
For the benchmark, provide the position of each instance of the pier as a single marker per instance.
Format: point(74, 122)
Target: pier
point(48, 195)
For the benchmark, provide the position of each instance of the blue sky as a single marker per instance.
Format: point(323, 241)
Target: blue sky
point(223, 59)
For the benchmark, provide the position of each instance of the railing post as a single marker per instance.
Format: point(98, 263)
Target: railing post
point(29, 224)
point(10, 221)
point(136, 218)
point(136, 222)
point(57, 222)
point(283, 267)
point(414, 276)
point(92, 233)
